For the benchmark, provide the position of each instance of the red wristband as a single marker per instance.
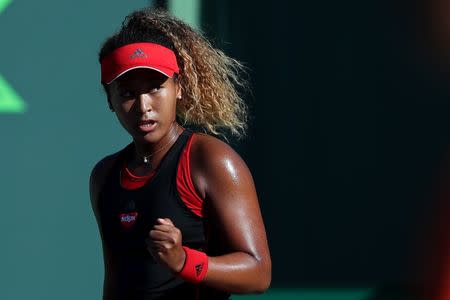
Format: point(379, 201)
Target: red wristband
point(195, 265)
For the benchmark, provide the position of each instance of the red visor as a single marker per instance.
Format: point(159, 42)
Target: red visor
point(138, 55)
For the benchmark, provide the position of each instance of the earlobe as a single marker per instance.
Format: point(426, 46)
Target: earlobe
point(179, 92)
point(178, 89)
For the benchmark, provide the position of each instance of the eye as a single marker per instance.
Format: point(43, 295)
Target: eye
point(126, 94)
point(155, 89)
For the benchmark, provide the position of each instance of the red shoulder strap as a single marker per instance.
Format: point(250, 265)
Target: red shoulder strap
point(185, 186)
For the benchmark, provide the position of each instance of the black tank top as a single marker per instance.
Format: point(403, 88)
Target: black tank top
point(126, 218)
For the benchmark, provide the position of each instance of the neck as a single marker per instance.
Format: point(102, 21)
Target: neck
point(153, 152)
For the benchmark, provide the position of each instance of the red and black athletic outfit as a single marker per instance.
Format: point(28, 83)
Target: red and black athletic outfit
point(128, 208)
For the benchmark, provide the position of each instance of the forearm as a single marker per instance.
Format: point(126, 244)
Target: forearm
point(238, 273)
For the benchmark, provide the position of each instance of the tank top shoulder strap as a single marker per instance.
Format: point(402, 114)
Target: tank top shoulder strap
point(172, 156)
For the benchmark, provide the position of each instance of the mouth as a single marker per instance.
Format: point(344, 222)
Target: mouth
point(147, 125)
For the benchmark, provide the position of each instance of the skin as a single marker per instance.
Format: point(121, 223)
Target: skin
point(143, 94)
point(219, 175)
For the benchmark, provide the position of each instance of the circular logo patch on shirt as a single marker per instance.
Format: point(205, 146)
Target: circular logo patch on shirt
point(127, 220)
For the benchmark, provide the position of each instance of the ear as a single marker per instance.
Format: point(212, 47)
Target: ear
point(178, 88)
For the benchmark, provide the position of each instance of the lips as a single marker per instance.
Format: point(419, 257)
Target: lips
point(147, 125)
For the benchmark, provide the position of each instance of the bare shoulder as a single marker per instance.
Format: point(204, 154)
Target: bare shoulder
point(216, 164)
point(207, 150)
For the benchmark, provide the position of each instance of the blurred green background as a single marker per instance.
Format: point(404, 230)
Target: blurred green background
point(348, 135)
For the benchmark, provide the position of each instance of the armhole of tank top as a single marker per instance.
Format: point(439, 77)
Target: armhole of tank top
point(109, 164)
point(185, 185)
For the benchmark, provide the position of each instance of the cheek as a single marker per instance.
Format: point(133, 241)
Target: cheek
point(122, 106)
point(122, 110)
point(167, 105)
point(171, 108)
point(126, 106)
point(123, 118)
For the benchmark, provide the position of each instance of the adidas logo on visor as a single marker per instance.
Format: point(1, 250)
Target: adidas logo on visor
point(138, 53)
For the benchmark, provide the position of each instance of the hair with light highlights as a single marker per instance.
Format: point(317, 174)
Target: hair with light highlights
point(209, 79)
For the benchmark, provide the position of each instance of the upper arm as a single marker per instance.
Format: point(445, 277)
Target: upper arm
point(225, 182)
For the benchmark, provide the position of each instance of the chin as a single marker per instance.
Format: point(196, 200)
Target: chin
point(151, 137)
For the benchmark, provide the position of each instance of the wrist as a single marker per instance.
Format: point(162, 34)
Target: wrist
point(195, 266)
point(182, 261)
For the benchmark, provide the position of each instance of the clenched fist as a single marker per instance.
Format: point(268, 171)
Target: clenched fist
point(165, 245)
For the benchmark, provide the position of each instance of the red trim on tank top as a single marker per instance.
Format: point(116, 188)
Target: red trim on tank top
point(185, 185)
point(130, 181)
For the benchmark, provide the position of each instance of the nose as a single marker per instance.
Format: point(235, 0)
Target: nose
point(145, 104)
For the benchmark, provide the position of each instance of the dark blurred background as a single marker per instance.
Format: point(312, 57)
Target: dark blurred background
point(350, 135)
point(348, 140)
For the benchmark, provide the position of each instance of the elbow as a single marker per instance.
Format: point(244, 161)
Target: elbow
point(263, 285)
point(264, 279)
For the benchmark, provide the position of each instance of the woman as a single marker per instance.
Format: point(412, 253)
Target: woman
point(177, 211)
